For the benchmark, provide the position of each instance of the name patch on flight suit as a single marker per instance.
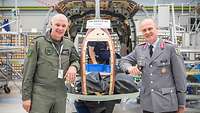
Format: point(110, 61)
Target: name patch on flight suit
point(49, 51)
point(65, 52)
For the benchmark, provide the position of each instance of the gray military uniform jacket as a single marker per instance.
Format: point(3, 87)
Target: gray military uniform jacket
point(163, 77)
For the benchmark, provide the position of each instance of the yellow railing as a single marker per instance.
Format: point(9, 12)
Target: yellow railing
point(193, 72)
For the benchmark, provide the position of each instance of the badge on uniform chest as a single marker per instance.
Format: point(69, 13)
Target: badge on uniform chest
point(163, 71)
point(49, 51)
point(65, 52)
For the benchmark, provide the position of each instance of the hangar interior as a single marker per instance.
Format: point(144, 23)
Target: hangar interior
point(23, 20)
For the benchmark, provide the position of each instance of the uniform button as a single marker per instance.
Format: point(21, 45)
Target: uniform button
point(171, 91)
point(151, 66)
point(152, 89)
point(151, 74)
point(151, 82)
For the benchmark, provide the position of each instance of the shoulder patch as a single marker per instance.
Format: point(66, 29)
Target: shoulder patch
point(30, 51)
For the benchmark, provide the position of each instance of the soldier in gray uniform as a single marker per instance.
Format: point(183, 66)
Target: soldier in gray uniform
point(163, 86)
point(50, 61)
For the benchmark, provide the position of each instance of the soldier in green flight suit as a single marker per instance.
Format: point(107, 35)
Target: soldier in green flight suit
point(51, 60)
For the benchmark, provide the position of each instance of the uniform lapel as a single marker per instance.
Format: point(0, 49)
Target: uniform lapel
point(145, 52)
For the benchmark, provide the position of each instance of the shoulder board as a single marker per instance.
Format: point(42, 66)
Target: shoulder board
point(66, 37)
point(34, 39)
point(168, 41)
point(143, 43)
point(38, 37)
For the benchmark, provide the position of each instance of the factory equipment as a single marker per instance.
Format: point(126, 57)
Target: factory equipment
point(192, 64)
point(7, 53)
point(191, 59)
point(119, 12)
point(123, 29)
point(117, 33)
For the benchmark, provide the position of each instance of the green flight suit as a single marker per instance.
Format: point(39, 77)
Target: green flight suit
point(41, 83)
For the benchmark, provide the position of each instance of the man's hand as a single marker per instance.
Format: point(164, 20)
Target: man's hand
point(70, 75)
point(133, 70)
point(181, 110)
point(27, 105)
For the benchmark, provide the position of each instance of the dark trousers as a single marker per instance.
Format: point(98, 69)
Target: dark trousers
point(95, 107)
point(161, 112)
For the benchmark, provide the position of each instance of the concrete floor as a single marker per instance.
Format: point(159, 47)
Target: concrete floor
point(12, 103)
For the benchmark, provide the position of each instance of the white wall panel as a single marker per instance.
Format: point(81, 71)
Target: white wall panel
point(32, 19)
point(176, 2)
point(163, 15)
point(20, 3)
point(35, 19)
point(144, 2)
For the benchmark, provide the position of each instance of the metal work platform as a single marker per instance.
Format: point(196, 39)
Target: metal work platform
point(6, 70)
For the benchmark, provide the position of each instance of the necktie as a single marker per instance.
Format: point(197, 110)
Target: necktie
point(150, 50)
